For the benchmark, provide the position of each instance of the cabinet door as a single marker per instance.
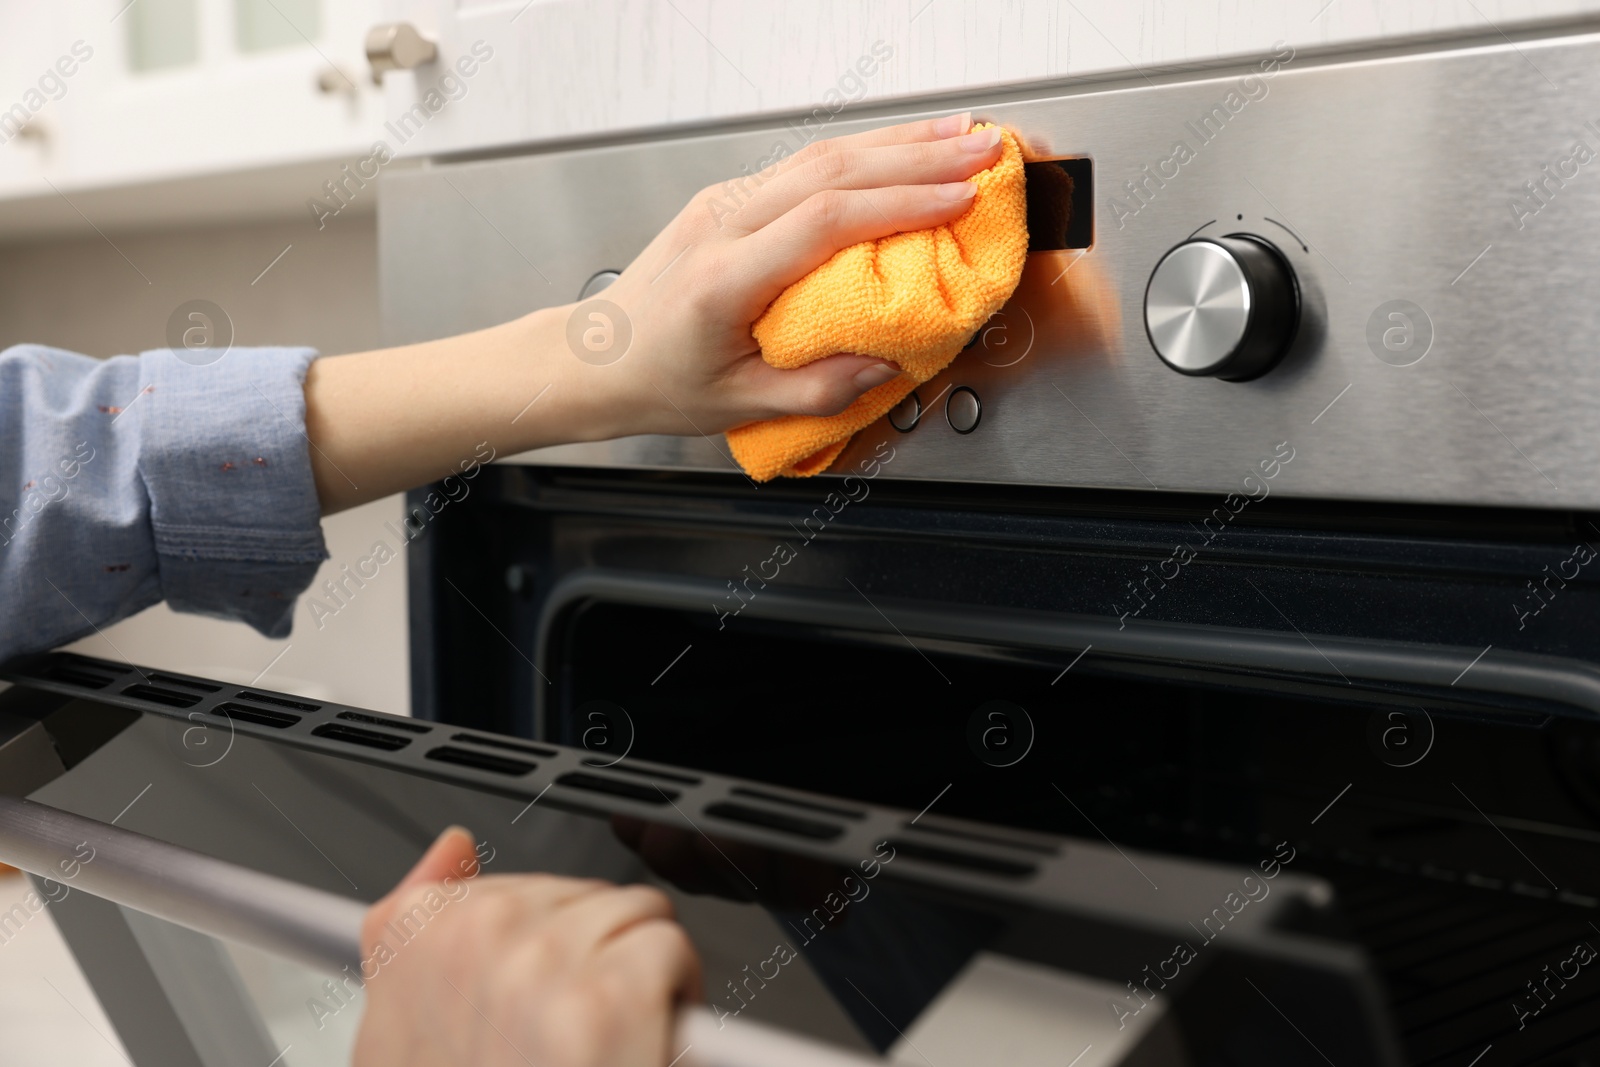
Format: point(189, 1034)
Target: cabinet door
point(113, 93)
point(546, 70)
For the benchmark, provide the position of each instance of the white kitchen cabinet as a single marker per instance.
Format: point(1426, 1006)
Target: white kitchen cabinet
point(580, 69)
point(238, 133)
point(245, 128)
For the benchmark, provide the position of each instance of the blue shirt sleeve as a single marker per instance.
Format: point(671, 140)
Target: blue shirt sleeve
point(140, 478)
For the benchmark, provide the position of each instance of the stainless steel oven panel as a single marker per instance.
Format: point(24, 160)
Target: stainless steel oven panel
point(1381, 178)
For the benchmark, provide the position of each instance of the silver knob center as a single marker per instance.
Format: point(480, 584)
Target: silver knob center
point(1225, 306)
point(1197, 307)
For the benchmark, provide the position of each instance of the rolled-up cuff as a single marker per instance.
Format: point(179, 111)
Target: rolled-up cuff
point(227, 465)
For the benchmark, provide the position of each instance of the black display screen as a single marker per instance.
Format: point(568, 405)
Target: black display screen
point(1060, 204)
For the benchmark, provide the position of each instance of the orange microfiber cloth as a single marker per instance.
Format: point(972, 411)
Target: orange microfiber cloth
point(913, 299)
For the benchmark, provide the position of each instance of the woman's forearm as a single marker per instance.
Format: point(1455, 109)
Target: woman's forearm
point(384, 421)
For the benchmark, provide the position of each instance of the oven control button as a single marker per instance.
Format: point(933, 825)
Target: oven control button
point(598, 282)
point(963, 409)
point(1225, 307)
point(905, 415)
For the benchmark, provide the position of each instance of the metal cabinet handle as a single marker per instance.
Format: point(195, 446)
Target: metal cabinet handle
point(397, 46)
point(318, 929)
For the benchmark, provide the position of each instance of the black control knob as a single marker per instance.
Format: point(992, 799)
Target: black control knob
point(1224, 307)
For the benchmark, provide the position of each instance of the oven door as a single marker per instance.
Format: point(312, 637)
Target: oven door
point(873, 934)
point(1357, 686)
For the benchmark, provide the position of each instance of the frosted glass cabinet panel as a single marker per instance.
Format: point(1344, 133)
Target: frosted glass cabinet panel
point(162, 33)
point(263, 24)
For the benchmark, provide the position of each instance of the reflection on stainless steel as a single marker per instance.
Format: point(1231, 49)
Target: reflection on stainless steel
point(1366, 212)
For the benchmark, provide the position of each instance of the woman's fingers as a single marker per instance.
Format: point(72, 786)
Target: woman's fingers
point(595, 918)
point(904, 133)
point(661, 958)
point(617, 1006)
point(793, 245)
point(452, 854)
point(651, 969)
point(825, 387)
point(949, 159)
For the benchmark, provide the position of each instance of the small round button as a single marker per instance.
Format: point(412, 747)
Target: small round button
point(1227, 307)
point(963, 409)
point(598, 282)
point(905, 415)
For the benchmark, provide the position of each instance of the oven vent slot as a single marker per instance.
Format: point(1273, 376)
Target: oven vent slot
point(774, 820)
point(278, 720)
point(62, 672)
point(92, 664)
point(968, 861)
point(594, 783)
point(642, 772)
point(483, 761)
point(373, 720)
point(509, 746)
point(796, 802)
point(282, 702)
point(1006, 841)
point(354, 735)
point(157, 695)
point(183, 683)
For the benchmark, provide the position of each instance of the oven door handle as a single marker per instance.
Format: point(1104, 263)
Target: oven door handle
point(318, 929)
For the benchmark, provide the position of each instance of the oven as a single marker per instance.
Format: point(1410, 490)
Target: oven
point(1329, 584)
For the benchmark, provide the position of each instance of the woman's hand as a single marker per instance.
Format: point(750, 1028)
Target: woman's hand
point(692, 294)
point(507, 970)
point(384, 421)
